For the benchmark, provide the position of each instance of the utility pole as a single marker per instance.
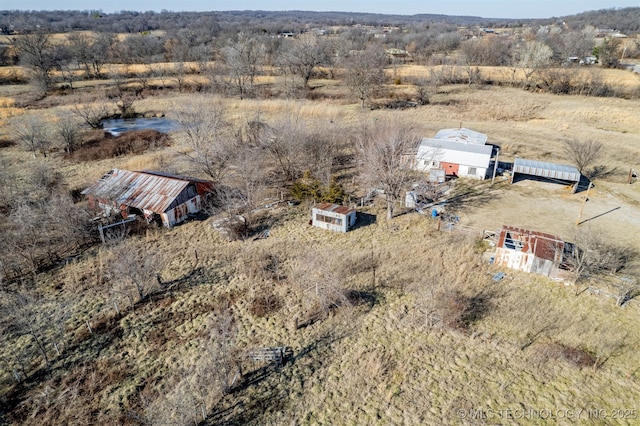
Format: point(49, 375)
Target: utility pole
point(586, 198)
point(495, 166)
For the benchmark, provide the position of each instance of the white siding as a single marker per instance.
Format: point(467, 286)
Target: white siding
point(433, 152)
point(342, 222)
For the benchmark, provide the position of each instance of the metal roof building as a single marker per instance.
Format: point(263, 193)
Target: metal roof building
point(333, 217)
point(462, 135)
point(455, 158)
point(154, 194)
point(529, 251)
point(546, 170)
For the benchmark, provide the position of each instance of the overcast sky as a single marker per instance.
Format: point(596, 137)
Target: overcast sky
point(486, 8)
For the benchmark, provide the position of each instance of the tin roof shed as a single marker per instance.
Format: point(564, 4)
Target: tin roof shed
point(152, 191)
point(333, 217)
point(542, 245)
point(529, 251)
point(545, 170)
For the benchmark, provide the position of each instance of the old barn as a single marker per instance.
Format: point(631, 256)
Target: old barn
point(529, 251)
point(457, 152)
point(333, 217)
point(162, 197)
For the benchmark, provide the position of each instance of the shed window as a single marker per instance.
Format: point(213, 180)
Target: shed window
point(511, 243)
point(473, 171)
point(329, 219)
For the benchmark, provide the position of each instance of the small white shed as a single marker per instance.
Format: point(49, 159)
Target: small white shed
point(333, 217)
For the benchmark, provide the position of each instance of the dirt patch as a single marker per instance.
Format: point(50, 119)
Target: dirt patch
point(552, 208)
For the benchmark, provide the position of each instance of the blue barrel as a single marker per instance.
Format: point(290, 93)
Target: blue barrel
point(434, 213)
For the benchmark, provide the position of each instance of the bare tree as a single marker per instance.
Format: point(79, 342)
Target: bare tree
point(202, 384)
point(123, 95)
point(303, 56)
point(384, 155)
point(68, 131)
point(321, 283)
point(284, 141)
point(242, 60)
point(608, 53)
point(20, 312)
point(423, 88)
point(91, 52)
point(583, 153)
point(590, 255)
point(69, 222)
point(530, 57)
point(31, 132)
point(471, 57)
point(207, 135)
point(578, 43)
point(250, 175)
point(37, 53)
point(180, 74)
point(92, 114)
point(133, 272)
point(364, 73)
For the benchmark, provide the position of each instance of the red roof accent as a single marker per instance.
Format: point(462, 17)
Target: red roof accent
point(543, 246)
point(335, 208)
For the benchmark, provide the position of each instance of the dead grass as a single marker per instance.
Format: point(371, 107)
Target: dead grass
point(403, 340)
point(503, 75)
point(373, 363)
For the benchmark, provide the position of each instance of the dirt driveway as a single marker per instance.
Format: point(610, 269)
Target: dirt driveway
point(612, 209)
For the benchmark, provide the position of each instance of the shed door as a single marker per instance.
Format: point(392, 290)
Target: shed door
point(449, 168)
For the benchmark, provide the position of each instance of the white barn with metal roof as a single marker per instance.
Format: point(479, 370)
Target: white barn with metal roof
point(455, 158)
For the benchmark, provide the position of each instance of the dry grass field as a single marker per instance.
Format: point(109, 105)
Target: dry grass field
point(391, 323)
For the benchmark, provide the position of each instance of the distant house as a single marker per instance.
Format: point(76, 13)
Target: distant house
point(156, 196)
point(333, 217)
point(530, 251)
point(459, 152)
point(395, 53)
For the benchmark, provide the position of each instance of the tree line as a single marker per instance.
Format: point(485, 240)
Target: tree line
point(233, 60)
point(621, 19)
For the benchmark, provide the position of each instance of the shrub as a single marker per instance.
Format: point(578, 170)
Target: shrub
point(261, 306)
point(458, 311)
point(574, 356)
point(132, 142)
point(310, 188)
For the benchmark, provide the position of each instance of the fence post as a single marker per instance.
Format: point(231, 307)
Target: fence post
point(101, 233)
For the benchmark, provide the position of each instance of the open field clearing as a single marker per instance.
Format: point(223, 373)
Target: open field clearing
point(376, 362)
point(393, 322)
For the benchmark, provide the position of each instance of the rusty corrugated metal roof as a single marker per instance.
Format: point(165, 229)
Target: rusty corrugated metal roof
point(140, 190)
point(335, 208)
point(543, 246)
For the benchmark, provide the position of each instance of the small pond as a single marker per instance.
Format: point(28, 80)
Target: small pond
point(116, 126)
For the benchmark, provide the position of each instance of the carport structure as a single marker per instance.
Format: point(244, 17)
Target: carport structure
point(551, 171)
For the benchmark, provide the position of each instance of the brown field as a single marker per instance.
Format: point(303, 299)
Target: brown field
point(375, 356)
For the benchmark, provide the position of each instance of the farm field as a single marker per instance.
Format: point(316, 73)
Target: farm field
point(393, 322)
